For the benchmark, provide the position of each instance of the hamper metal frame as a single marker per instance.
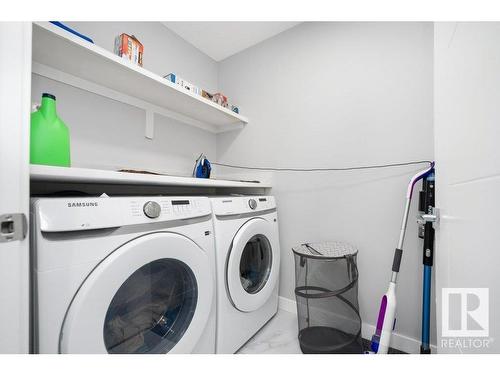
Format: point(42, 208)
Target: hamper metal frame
point(309, 292)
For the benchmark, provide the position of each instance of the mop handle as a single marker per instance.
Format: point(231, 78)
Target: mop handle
point(386, 318)
point(398, 253)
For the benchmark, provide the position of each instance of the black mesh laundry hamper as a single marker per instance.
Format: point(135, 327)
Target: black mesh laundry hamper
point(326, 290)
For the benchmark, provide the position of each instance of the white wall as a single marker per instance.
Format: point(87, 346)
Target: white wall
point(320, 94)
point(340, 94)
point(467, 133)
point(108, 134)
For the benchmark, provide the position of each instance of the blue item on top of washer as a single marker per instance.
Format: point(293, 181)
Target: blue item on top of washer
point(202, 167)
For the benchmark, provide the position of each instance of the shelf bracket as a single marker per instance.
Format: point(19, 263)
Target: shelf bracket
point(150, 124)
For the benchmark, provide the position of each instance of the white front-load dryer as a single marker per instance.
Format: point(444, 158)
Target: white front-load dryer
point(248, 261)
point(123, 275)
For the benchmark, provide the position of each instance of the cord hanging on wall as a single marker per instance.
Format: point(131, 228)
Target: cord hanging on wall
point(323, 169)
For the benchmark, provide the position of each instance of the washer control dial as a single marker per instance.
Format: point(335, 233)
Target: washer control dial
point(151, 209)
point(252, 203)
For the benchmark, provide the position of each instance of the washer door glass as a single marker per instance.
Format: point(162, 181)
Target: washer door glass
point(255, 263)
point(252, 267)
point(152, 309)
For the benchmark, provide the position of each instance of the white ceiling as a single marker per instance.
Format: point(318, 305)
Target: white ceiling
point(220, 40)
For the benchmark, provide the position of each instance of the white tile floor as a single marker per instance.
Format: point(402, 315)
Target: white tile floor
point(278, 336)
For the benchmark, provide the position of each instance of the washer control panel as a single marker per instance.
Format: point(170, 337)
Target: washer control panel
point(162, 208)
point(151, 209)
point(252, 203)
point(237, 205)
point(71, 214)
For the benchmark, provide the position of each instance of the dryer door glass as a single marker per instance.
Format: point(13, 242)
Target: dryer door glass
point(255, 263)
point(152, 309)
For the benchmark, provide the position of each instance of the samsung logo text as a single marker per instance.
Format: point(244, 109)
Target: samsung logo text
point(82, 204)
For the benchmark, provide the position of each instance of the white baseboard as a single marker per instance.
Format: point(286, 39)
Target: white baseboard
point(288, 305)
point(398, 341)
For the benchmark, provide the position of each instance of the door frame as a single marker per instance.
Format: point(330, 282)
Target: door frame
point(15, 96)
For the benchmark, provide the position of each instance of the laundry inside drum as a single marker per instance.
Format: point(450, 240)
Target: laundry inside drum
point(255, 264)
point(152, 309)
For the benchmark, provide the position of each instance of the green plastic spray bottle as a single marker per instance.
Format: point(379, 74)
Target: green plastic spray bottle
point(49, 142)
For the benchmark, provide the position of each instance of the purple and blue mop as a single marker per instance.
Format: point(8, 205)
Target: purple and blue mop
point(386, 321)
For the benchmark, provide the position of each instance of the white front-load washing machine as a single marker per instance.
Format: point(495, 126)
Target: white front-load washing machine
point(123, 275)
point(248, 261)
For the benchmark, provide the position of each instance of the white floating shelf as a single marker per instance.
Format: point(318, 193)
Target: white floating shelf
point(84, 175)
point(85, 64)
